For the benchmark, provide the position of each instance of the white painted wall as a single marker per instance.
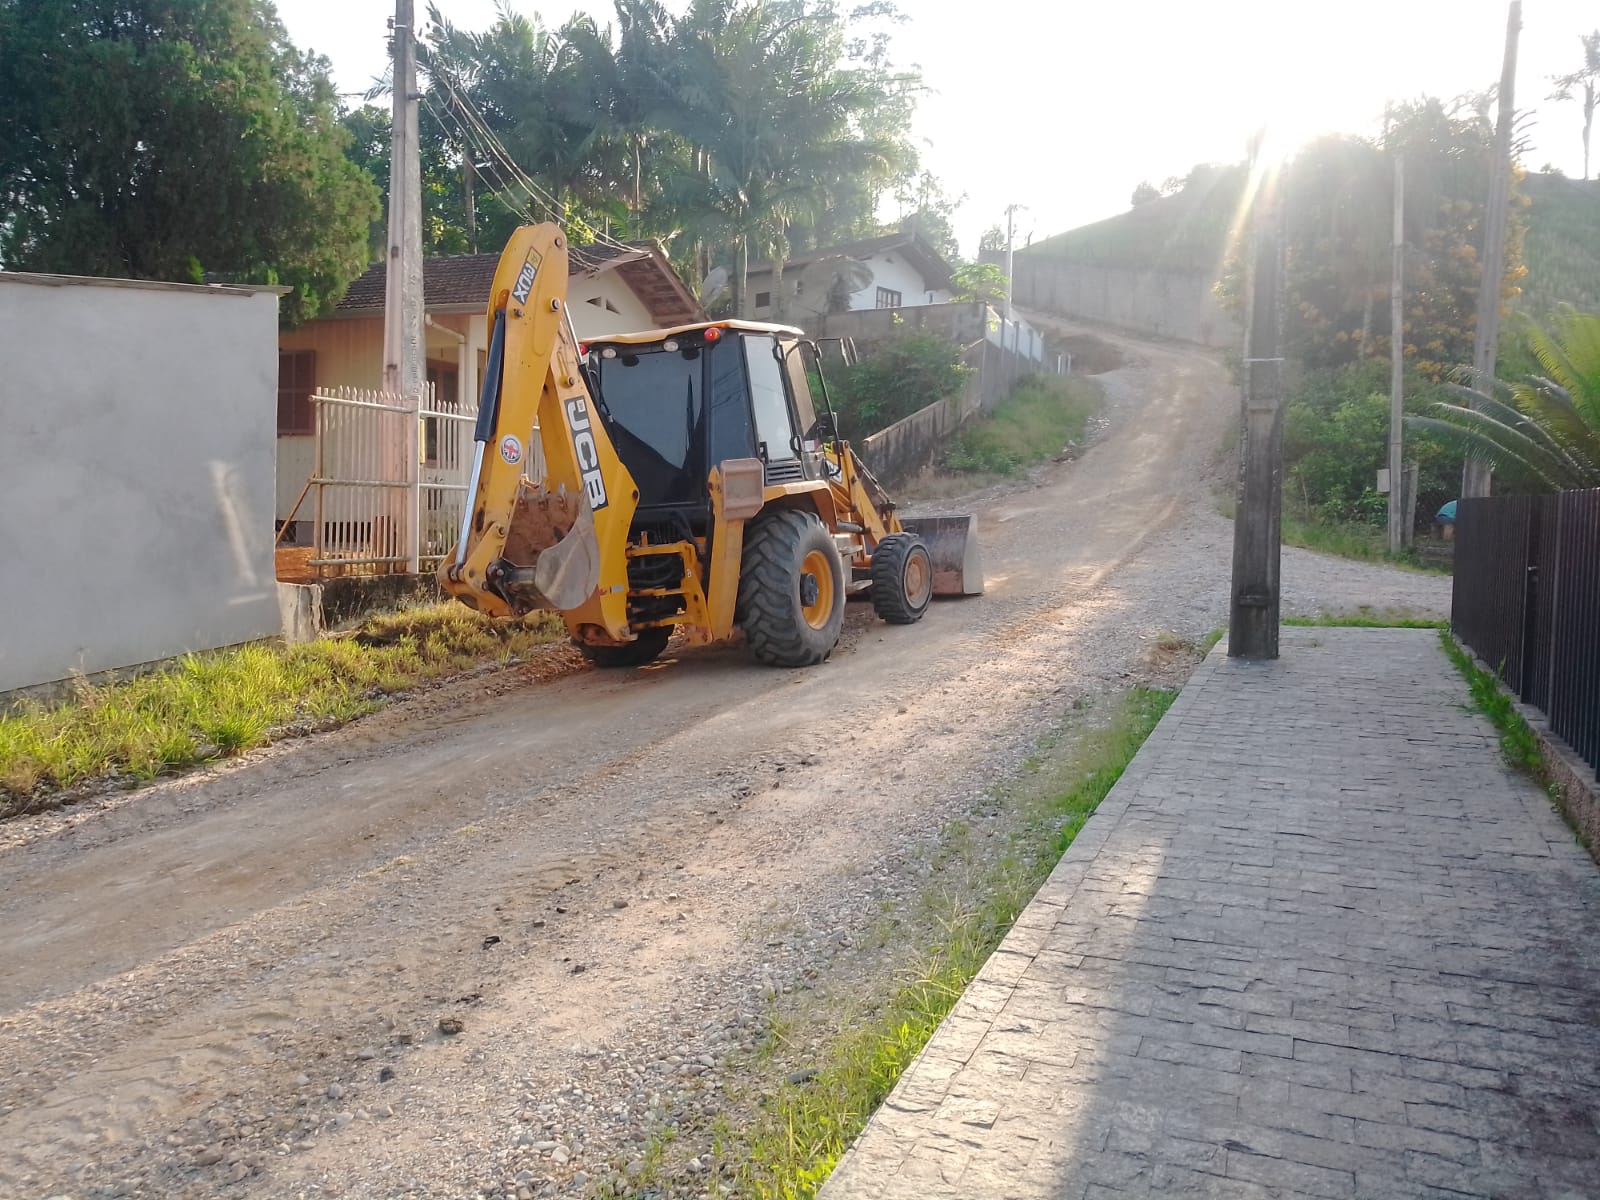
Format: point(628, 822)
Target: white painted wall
point(892, 271)
point(137, 424)
point(618, 310)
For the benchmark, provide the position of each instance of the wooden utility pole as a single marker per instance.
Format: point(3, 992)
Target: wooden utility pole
point(1257, 522)
point(1475, 476)
point(1397, 359)
point(404, 348)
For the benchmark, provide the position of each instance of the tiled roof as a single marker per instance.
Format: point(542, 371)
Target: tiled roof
point(465, 279)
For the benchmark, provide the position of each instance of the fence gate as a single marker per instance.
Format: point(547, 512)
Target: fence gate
point(389, 480)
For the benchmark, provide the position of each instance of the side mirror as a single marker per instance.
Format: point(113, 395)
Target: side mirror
point(825, 430)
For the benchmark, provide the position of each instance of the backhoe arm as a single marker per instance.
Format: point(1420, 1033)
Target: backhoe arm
point(559, 542)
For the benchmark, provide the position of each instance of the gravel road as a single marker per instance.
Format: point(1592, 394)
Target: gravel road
point(484, 942)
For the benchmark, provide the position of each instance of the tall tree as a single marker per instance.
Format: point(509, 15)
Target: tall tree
point(760, 91)
point(1581, 85)
point(171, 139)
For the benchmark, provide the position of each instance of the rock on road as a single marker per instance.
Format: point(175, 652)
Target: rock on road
point(244, 981)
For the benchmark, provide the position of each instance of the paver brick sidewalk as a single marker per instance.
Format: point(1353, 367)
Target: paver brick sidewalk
point(1319, 941)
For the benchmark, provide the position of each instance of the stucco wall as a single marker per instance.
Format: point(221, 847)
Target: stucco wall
point(137, 424)
point(893, 272)
point(1174, 304)
point(619, 310)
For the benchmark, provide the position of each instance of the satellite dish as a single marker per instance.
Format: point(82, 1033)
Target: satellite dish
point(713, 285)
point(826, 284)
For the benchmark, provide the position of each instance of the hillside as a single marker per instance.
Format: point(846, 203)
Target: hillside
point(1187, 232)
point(1183, 232)
point(1563, 247)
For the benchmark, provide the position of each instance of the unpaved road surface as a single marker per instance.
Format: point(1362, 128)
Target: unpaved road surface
point(243, 982)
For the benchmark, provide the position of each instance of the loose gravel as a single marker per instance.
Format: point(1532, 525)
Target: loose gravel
point(523, 937)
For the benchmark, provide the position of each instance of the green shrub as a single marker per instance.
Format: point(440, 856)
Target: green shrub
point(1336, 436)
point(1037, 421)
point(906, 373)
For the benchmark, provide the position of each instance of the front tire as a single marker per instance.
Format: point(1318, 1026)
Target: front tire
point(791, 590)
point(902, 579)
point(645, 648)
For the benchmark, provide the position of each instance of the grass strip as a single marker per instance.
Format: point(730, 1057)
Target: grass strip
point(1366, 618)
point(803, 1128)
point(220, 703)
point(1365, 543)
point(1518, 742)
point(1037, 421)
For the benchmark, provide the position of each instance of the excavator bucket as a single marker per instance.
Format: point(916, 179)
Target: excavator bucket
point(953, 545)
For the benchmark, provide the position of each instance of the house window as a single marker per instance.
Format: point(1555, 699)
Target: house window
point(297, 379)
point(888, 298)
point(763, 299)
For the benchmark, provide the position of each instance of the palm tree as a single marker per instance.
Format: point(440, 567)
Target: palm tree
point(758, 91)
point(1544, 430)
point(1583, 82)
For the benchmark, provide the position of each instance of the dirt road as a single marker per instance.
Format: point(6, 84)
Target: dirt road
point(234, 983)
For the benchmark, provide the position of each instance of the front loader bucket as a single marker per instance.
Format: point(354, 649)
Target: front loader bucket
point(953, 545)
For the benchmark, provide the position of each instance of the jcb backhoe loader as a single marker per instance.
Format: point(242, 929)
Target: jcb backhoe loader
point(687, 482)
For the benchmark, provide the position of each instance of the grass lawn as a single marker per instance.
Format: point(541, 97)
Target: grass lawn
point(220, 703)
point(1037, 421)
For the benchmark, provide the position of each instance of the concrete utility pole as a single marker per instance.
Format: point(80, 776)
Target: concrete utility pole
point(1010, 313)
point(1476, 476)
point(1257, 522)
point(404, 347)
point(1397, 358)
point(404, 351)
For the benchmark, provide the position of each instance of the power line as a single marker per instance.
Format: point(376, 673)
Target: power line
point(497, 150)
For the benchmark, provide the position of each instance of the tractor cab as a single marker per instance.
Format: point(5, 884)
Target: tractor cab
point(678, 402)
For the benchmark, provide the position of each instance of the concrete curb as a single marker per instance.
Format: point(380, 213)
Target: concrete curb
point(1577, 792)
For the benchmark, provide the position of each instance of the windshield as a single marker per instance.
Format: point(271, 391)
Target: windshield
point(656, 405)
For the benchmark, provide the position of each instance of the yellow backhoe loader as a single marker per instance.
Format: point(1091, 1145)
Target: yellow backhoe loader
point(676, 479)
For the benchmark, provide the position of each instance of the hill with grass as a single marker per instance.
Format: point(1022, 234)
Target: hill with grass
point(1186, 231)
point(1563, 245)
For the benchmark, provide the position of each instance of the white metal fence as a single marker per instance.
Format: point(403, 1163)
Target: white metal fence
point(389, 480)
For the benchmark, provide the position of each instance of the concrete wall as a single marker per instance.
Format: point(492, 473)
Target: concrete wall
point(1168, 304)
point(137, 424)
point(913, 442)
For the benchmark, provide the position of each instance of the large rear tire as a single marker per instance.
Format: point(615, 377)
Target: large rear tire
point(791, 589)
point(645, 648)
point(902, 579)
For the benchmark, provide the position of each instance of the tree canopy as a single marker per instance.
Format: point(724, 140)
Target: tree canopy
point(175, 140)
point(739, 128)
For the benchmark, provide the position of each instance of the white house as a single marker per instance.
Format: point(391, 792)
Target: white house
point(900, 269)
point(609, 291)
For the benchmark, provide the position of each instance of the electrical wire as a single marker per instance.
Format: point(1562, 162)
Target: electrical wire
point(555, 209)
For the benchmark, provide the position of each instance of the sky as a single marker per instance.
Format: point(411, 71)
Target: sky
point(1064, 106)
